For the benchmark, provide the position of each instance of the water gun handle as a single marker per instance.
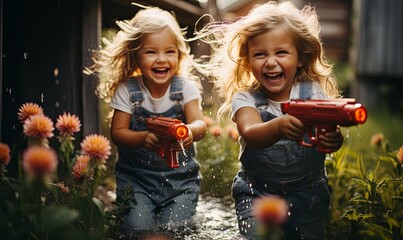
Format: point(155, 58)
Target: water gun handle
point(320, 130)
point(170, 155)
point(311, 137)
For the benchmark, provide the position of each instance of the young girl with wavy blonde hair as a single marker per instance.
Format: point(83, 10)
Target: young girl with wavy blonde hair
point(273, 55)
point(146, 70)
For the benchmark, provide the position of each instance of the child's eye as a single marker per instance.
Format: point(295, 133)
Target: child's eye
point(173, 51)
point(150, 52)
point(282, 52)
point(259, 54)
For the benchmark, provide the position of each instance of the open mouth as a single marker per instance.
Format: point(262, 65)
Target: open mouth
point(160, 71)
point(273, 77)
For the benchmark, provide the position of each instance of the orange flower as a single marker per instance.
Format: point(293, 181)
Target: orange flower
point(270, 210)
point(68, 124)
point(39, 161)
point(232, 133)
point(96, 147)
point(4, 154)
point(81, 169)
point(38, 126)
point(377, 139)
point(29, 109)
point(208, 120)
point(399, 155)
point(216, 131)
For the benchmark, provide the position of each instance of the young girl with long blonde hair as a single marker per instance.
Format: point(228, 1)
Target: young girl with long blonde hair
point(147, 73)
point(273, 55)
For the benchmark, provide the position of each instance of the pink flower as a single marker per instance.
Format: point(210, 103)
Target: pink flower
point(68, 124)
point(39, 161)
point(232, 133)
point(27, 110)
point(377, 139)
point(38, 126)
point(63, 187)
point(4, 154)
point(97, 147)
point(81, 169)
point(399, 155)
point(216, 131)
point(270, 210)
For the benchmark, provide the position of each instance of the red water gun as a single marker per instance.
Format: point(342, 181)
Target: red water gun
point(322, 116)
point(169, 130)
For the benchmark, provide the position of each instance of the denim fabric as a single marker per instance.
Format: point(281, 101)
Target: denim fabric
point(164, 196)
point(288, 170)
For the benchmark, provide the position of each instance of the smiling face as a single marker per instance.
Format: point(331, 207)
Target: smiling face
point(158, 60)
point(273, 59)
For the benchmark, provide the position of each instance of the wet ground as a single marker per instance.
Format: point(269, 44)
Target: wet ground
point(215, 220)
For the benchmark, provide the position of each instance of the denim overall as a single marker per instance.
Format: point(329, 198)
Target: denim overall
point(286, 169)
point(163, 195)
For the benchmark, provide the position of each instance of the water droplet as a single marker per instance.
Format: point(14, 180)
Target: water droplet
point(358, 132)
point(183, 148)
point(55, 72)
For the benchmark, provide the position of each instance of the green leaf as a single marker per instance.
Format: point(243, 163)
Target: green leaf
point(57, 218)
point(360, 182)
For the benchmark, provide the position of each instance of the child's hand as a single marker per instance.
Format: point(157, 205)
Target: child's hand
point(187, 143)
point(291, 128)
point(152, 143)
point(332, 140)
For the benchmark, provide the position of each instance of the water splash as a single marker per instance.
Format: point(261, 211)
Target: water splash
point(182, 146)
point(359, 132)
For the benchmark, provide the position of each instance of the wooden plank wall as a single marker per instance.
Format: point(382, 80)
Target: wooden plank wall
point(379, 61)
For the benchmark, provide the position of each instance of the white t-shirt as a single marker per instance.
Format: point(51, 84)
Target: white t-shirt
point(121, 99)
point(245, 99)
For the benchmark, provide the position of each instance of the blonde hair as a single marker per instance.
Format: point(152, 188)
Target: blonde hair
point(116, 62)
point(229, 63)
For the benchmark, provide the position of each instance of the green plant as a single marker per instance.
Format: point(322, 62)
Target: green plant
point(367, 196)
point(54, 195)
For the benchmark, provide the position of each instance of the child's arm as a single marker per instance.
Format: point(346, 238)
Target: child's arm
point(259, 134)
point(195, 123)
point(123, 136)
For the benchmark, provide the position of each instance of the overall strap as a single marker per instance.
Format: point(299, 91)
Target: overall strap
point(305, 90)
point(177, 89)
point(136, 96)
point(261, 100)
